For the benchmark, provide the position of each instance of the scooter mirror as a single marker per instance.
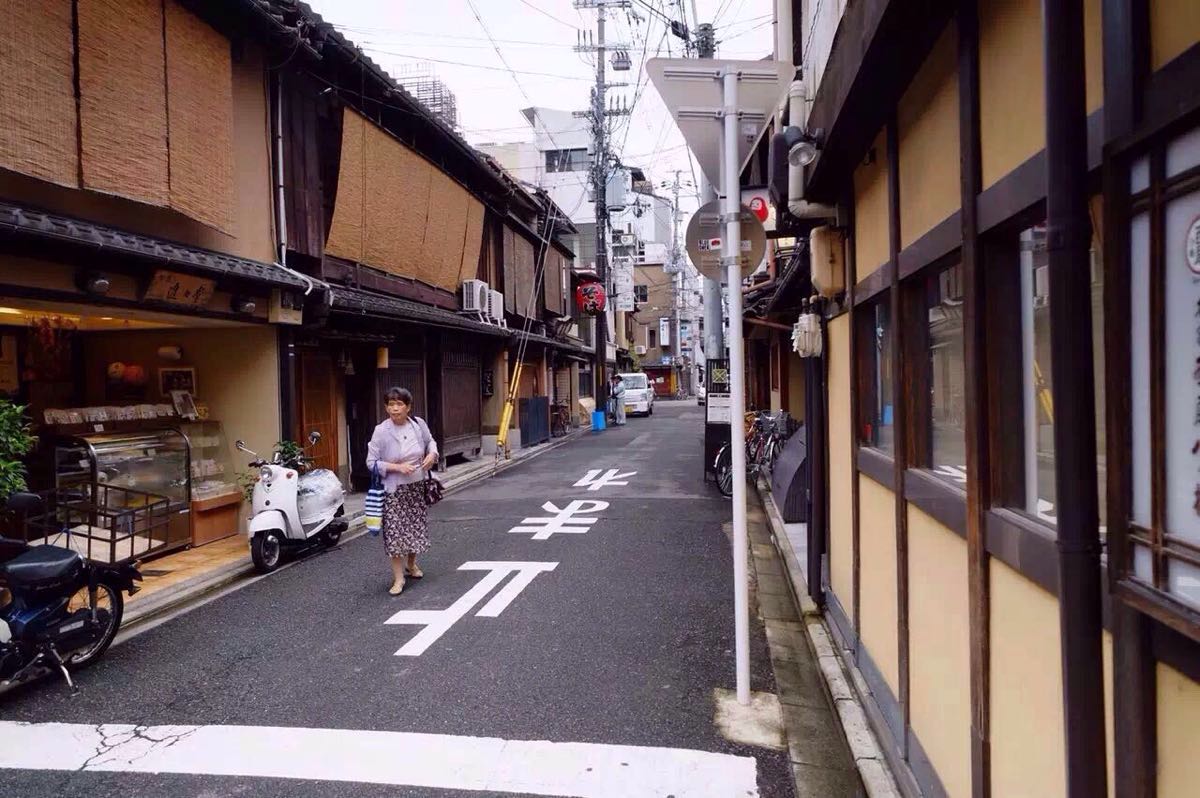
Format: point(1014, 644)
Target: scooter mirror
point(241, 446)
point(314, 437)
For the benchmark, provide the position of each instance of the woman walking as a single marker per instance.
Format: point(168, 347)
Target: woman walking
point(402, 450)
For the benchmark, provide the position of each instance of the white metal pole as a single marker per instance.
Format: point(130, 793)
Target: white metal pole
point(731, 257)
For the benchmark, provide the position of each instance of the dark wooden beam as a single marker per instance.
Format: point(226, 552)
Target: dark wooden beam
point(1068, 241)
point(901, 420)
point(975, 366)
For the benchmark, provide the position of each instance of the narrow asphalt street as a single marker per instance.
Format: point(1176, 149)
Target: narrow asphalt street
point(610, 633)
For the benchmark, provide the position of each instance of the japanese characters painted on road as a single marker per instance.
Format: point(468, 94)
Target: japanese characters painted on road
point(567, 520)
point(438, 622)
point(704, 233)
point(595, 480)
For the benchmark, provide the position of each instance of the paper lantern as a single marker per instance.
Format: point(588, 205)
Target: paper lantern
point(590, 298)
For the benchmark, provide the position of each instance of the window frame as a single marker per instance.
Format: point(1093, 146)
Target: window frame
point(868, 371)
point(916, 372)
point(1152, 597)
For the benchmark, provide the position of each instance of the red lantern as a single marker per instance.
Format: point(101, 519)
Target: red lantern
point(590, 298)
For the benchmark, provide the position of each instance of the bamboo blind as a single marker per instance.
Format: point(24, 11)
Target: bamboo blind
point(123, 103)
point(346, 229)
point(508, 264)
point(200, 118)
point(37, 92)
point(525, 276)
point(397, 212)
point(472, 240)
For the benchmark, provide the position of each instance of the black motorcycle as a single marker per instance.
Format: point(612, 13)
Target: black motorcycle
point(62, 611)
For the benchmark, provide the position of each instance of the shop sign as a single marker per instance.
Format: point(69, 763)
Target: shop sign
point(180, 289)
point(718, 396)
point(488, 378)
point(623, 284)
point(664, 332)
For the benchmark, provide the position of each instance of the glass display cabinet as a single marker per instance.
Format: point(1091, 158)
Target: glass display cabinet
point(118, 472)
point(216, 496)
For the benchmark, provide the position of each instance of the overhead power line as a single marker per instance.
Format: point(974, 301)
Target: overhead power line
point(546, 13)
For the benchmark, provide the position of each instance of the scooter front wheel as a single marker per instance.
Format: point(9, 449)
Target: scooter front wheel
point(266, 551)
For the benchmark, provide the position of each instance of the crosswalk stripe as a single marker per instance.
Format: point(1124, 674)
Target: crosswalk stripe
point(497, 766)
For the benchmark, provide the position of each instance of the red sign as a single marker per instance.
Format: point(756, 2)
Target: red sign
point(591, 299)
point(758, 207)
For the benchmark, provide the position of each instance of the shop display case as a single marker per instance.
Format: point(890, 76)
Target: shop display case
point(216, 496)
point(142, 468)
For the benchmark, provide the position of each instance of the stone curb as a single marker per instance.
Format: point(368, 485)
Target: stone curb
point(864, 746)
point(197, 587)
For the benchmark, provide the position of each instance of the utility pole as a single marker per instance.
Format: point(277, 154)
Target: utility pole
point(600, 162)
point(677, 261)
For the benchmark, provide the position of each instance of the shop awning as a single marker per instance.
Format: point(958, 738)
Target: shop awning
point(366, 303)
point(18, 222)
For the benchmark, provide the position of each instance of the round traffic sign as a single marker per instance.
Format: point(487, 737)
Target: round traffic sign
point(705, 234)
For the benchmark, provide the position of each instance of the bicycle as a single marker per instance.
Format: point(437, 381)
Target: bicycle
point(560, 420)
point(765, 435)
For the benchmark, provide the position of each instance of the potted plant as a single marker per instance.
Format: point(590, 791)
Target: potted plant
point(16, 441)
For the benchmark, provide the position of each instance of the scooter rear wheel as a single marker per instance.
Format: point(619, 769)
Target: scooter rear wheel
point(266, 551)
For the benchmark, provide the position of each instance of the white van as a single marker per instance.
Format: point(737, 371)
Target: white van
point(639, 394)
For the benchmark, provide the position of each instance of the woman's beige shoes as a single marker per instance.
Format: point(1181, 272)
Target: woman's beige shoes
point(414, 571)
point(396, 588)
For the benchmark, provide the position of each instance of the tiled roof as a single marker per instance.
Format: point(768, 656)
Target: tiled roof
point(17, 221)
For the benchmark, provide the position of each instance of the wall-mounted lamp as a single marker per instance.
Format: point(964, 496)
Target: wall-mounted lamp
point(802, 146)
point(242, 304)
point(95, 283)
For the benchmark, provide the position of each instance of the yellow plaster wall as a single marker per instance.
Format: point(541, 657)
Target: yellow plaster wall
point(1174, 27)
point(841, 474)
point(871, 210)
point(940, 648)
point(1178, 727)
point(877, 578)
point(927, 120)
point(1012, 112)
point(1026, 688)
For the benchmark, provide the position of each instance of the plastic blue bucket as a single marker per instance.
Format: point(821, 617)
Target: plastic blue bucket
point(599, 422)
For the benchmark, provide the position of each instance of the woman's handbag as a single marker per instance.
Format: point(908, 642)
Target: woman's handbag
point(373, 506)
point(433, 489)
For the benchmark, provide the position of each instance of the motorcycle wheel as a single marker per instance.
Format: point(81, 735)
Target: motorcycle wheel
point(724, 469)
point(109, 608)
point(266, 551)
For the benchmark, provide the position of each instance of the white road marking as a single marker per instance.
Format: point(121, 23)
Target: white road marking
point(594, 481)
point(486, 764)
point(438, 622)
point(565, 520)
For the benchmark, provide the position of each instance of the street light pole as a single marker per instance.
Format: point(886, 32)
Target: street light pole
point(731, 260)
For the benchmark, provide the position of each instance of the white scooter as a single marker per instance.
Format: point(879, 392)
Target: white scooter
point(292, 509)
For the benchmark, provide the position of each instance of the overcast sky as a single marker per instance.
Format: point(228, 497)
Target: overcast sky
point(535, 38)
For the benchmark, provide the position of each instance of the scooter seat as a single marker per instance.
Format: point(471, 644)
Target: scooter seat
point(42, 566)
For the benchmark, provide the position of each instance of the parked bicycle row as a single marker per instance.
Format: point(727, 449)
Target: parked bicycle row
point(765, 432)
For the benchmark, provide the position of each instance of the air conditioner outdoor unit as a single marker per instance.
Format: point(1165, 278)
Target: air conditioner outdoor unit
point(639, 349)
point(475, 297)
point(495, 308)
point(627, 240)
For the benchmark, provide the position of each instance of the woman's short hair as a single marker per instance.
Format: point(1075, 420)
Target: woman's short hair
point(398, 395)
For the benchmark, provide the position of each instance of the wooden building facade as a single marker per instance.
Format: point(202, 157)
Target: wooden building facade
point(1009, 492)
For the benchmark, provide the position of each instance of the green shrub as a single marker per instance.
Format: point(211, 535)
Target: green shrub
point(15, 442)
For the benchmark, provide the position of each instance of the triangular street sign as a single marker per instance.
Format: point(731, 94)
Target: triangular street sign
point(693, 90)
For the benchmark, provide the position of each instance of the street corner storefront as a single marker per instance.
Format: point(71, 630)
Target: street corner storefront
point(370, 342)
point(138, 363)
